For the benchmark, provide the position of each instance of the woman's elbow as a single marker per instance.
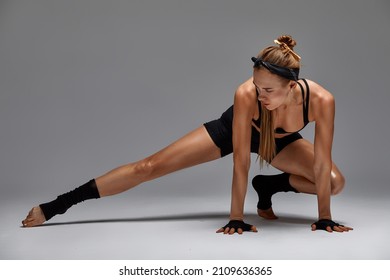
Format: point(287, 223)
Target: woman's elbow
point(242, 163)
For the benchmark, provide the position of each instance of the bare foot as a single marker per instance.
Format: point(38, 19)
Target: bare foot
point(267, 214)
point(34, 218)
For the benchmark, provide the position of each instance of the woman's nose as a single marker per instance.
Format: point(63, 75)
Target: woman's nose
point(261, 98)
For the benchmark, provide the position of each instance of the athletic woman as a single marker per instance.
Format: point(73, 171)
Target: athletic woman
point(269, 110)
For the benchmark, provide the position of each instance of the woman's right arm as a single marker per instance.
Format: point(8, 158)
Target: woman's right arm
point(242, 122)
point(244, 110)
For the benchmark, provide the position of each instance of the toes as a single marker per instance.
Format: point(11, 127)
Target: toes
point(35, 217)
point(25, 223)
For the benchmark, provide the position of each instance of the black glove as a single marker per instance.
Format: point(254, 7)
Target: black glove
point(236, 224)
point(324, 223)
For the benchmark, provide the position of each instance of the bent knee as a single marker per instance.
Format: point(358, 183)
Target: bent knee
point(144, 169)
point(338, 183)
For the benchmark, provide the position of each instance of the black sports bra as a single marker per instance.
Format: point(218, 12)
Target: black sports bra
point(305, 104)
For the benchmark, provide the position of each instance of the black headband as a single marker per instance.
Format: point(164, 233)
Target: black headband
point(288, 73)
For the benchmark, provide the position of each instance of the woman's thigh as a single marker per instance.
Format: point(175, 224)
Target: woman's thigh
point(298, 159)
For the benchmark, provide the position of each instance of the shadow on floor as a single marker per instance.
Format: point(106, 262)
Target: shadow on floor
point(249, 218)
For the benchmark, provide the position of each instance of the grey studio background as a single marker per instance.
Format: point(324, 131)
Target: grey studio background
point(86, 86)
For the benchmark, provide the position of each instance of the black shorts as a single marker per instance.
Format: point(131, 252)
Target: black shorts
point(221, 132)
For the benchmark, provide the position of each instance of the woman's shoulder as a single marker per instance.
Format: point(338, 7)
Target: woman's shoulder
point(318, 92)
point(246, 90)
point(320, 99)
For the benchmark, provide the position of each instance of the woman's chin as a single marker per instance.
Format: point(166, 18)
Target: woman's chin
point(269, 107)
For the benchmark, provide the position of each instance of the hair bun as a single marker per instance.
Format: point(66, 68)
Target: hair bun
point(288, 40)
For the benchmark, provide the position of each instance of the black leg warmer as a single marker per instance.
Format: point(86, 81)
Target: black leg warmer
point(66, 200)
point(267, 185)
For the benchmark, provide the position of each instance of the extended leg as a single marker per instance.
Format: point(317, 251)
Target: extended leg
point(194, 148)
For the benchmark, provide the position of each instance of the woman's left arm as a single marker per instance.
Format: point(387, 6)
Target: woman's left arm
point(323, 113)
point(324, 108)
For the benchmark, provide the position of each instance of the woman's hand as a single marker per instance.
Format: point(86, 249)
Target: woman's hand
point(329, 226)
point(236, 226)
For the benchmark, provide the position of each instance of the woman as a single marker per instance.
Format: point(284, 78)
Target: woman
point(269, 110)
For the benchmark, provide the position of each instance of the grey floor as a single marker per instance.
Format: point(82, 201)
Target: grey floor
point(136, 225)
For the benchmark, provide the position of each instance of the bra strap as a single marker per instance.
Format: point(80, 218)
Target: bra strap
point(306, 107)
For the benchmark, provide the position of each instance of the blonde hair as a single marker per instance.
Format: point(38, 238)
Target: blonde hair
point(267, 147)
point(282, 55)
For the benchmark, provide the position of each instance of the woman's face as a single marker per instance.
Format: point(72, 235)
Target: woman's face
point(272, 89)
